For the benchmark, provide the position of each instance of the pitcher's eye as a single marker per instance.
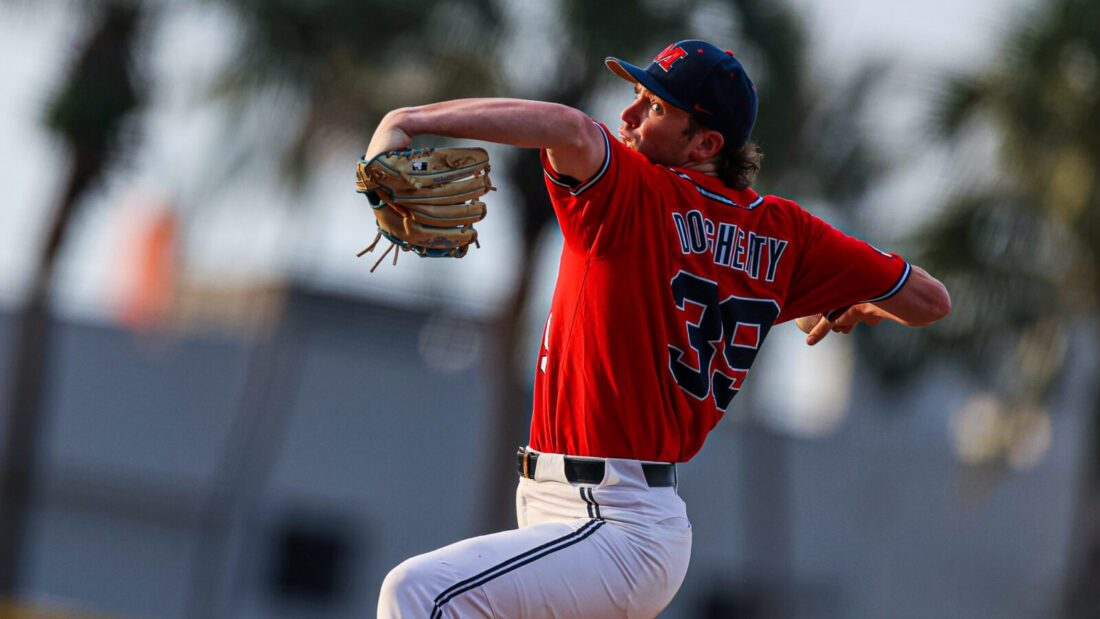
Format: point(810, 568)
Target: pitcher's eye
point(657, 107)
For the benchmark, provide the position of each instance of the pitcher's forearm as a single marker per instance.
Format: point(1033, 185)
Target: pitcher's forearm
point(575, 144)
point(873, 310)
point(516, 122)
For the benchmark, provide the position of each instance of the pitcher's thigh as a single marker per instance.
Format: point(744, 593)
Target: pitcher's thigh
point(581, 569)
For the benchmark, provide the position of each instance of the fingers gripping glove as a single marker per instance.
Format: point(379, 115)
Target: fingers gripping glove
point(426, 199)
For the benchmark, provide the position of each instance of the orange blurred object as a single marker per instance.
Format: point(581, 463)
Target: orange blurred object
point(149, 270)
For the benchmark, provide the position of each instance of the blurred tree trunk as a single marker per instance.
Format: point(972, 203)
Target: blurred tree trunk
point(1081, 591)
point(511, 405)
point(510, 410)
point(87, 113)
point(27, 385)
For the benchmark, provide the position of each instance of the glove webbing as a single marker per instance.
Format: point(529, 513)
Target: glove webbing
point(393, 243)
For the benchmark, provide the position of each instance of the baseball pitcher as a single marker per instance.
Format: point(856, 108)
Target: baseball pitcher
point(672, 274)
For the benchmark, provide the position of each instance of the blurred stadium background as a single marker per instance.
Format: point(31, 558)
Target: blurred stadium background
point(211, 410)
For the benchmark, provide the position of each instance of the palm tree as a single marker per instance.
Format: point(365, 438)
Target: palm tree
point(1019, 248)
point(89, 114)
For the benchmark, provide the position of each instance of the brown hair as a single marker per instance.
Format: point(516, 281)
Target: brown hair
point(737, 167)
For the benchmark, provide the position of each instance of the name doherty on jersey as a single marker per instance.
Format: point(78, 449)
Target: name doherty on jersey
point(730, 245)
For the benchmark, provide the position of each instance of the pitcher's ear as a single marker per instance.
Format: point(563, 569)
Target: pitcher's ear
point(710, 143)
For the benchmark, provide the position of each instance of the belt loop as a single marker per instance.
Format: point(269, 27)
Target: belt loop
point(526, 460)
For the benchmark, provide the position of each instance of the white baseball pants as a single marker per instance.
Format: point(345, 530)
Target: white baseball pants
point(614, 550)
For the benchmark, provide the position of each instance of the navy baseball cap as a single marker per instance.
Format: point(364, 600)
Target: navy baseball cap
point(703, 80)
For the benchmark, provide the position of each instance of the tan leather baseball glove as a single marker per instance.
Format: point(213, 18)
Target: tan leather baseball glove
point(426, 199)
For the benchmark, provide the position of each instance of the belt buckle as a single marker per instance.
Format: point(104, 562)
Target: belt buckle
point(524, 461)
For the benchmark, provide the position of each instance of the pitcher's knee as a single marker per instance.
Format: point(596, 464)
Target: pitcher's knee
point(406, 591)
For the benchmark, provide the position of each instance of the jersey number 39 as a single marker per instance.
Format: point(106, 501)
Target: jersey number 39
point(736, 325)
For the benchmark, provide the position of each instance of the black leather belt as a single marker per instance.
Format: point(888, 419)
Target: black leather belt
point(582, 471)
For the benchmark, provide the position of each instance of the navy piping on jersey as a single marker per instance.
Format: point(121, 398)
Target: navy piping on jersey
point(837, 313)
point(515, 562)
point(716, 196)
point(554, 179)
point(590, 501)
point(896, 287)
point(577, 190)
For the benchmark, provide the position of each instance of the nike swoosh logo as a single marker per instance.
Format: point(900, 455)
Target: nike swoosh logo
point(699, 108)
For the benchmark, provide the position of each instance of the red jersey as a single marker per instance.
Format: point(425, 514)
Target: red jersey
point(668, 285)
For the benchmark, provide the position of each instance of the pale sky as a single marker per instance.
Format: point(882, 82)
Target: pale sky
point(252, 231)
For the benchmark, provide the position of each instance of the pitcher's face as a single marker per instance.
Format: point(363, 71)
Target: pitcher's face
point(656, 129)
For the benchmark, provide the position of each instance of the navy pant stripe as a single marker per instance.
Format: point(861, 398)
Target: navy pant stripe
point(587, 503)
point(515, 558)
point(595, 505)
point(514, 563)
point(590, 502)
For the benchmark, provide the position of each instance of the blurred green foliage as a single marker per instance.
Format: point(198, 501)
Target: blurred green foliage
point(100, 93)
point(1018, 243)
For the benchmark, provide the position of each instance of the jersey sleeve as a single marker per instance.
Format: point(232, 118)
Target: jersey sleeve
point(598, 214)
point(837, 271)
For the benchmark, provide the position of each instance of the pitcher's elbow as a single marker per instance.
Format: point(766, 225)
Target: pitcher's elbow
point(938, 306)
point(943, 304)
